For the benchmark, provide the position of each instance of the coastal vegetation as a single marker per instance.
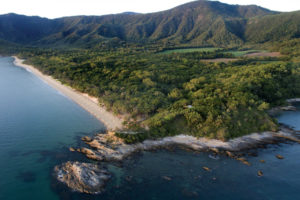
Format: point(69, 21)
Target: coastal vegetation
point(153, 67)
point(169, 94)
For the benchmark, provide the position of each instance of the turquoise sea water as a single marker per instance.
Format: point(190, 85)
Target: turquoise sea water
point(38, 124)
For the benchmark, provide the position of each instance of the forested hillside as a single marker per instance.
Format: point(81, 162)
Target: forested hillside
point(178, 93)
point(199, 23)
point(119, 59)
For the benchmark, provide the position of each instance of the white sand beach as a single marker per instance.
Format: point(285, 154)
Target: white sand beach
point(87, 102)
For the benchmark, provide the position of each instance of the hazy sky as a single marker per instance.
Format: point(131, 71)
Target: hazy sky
point(59, 8)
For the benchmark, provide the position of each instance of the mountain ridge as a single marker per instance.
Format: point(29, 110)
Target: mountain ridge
point(198, 23)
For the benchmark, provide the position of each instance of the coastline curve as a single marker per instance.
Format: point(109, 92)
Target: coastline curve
point(85, 101)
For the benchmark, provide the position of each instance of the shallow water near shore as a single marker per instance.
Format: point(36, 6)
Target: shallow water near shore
point(38, 124)
point(290, 118)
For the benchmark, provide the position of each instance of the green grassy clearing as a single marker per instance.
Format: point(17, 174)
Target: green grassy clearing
point(189, 50)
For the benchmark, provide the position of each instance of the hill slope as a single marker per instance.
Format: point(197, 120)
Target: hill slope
point(196, 23)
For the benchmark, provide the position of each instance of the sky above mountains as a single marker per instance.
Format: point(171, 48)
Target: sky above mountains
point(60, 8)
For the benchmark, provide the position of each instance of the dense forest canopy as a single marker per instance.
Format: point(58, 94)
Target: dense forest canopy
point(118, 59)
point(169, 94)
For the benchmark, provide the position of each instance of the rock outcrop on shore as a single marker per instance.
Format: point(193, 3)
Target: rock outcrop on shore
point(290, 107)
point(90, 178)
point(82, 177)
point(295, 100)
point(109, 147)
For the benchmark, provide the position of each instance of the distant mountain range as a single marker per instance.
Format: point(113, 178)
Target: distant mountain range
point(199, 23)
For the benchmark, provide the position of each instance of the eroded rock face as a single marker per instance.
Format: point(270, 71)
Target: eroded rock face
point(82, 177)
point(109, 147)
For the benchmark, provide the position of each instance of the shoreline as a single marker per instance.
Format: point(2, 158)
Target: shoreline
point(88, 103)
point(106, 147)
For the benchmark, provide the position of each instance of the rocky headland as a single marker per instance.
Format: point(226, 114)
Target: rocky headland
point(90, 178)
point(107, 147)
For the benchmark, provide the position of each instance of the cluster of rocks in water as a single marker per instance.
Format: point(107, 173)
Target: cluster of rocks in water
point(82, 177)
point(91, 178)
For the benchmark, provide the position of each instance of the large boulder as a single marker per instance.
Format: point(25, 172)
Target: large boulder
point(82, 177)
